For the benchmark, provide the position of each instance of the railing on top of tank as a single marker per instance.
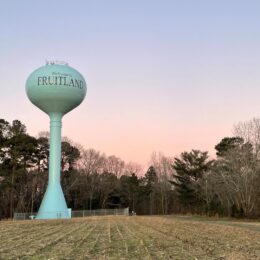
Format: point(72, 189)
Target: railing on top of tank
point(77, 213)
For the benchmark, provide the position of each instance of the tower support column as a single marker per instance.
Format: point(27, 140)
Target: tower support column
point(54, 205)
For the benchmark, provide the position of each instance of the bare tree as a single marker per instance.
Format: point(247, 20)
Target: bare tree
point(115, 165)
point(92, 164)
point(44, 134)
point(131, 168)
point(235, 180)
point(92, 161)
point(164, 171)
point(250, 132)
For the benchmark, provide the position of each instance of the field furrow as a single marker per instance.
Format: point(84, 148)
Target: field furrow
point(34, 234)
point(156, 240)
point(201, 240)
point(48, 243)
point(19, 231)
point(43, 240)
point(136, 243)
point(79, 239)
point(119, 237)
point(123, 238)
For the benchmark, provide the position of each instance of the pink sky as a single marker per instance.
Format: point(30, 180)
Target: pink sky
point(162, 76)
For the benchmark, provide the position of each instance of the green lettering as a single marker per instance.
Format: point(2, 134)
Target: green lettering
point(77, 83)
point(71, 83)
point(49, 80)
point(39, 80)
point(44, 81)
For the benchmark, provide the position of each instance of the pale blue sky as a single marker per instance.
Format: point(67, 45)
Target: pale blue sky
point(162, 75)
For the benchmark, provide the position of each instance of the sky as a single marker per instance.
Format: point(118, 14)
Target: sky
point(164, 76)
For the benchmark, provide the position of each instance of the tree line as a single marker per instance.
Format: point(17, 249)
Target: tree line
point(228, 185)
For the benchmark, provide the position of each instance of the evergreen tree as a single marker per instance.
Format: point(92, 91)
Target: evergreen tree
point(151, 180)
point(69, 156)
point(227, 144)
point(17, 155)
point(190, 168)
point(129, 190)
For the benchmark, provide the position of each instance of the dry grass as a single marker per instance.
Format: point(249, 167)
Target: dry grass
point(126, 238)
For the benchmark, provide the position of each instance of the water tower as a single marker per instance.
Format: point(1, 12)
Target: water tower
point(56, 89)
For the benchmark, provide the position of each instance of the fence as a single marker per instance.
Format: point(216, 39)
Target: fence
point(24, 216)
point(99, 212)
point(77, 213)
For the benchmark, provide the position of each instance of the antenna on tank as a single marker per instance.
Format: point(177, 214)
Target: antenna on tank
point(57, 62)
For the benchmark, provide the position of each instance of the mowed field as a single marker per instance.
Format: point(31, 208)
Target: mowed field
point(122, 237)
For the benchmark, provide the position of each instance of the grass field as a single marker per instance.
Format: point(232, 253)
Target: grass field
point(135, 237)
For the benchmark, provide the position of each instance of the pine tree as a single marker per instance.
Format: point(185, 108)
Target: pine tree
point(190, 168)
